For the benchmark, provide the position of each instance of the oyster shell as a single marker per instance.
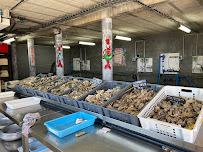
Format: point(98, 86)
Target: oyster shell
point(66, 86)
point(180, 114)
point(133, 102)
point(45, 88)
point(81, 90)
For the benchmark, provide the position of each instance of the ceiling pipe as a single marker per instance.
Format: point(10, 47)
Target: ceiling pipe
point(92, 17)
point(22, 1)
point(157, 11)
point(26, 19)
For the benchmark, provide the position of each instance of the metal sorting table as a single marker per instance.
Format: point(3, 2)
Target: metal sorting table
point(123, 136)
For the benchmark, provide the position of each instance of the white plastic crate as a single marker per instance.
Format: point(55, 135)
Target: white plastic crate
point(170, 129)
point(20, 103)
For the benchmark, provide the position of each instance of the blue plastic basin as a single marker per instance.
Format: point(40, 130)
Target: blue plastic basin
point(66, 125)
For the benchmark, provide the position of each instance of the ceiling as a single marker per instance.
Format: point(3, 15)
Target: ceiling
point(129, 19)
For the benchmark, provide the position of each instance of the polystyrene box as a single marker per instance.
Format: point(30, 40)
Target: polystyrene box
point(20, 103)
point(7, 94)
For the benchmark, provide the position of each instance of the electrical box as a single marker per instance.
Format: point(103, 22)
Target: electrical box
point(86, 65)
point(76, 64)
point(169, 63)
point(197, 64)
point(144, 64)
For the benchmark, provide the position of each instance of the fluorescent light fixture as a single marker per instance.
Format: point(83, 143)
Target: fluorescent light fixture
point(66, 47)
point(86, 43)
point(184, 28)
point(123, 38)
point(8, 41)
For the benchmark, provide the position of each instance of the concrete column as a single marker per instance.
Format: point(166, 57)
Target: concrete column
point(31, 57)
point(107, 55)
point(14, 61)
point(59, 54)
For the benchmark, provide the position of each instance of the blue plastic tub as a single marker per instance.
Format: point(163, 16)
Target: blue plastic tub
point(66, 125)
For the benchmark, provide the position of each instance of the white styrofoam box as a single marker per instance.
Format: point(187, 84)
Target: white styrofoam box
point(169, 62)
point(7, 94)
point(169, 129)
point(20, 103)
point(197, 64)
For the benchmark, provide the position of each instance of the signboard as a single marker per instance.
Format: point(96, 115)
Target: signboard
point(119, 56)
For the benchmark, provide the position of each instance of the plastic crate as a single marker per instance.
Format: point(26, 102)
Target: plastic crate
point(30, 91)
point(105, 86)
point(59, 97)
point(49, 91)
point(51, 96)
point(20, 88)
point(68, 101)
point(71, 101)
point(66, 125)
point(169, 129)
point(123, 116)
point(42, 94)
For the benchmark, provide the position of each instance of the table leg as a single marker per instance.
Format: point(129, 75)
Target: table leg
point(25, 143)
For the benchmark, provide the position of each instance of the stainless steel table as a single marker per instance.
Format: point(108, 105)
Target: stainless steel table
point(94, 140)
point(123, 137)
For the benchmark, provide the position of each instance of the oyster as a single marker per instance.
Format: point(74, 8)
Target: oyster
point(45, 88)
point(66, 86)
point(28, 81)
point(180, 114)
point(36, 81)
point(134, 101)
point(101, 96)
point(81, 90)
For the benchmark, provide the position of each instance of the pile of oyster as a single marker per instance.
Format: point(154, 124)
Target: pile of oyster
point(68, 85)
point(45, 88)
point(133, 102)
point(101, 96)
point(81, 90)
point(184, 115)
point(41, 81)
point(28, 81)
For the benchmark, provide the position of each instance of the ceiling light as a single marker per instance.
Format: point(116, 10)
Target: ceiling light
point(184, 28)
point(86, 43)
point(8, 41)
point(123, 38)
point(66, 47)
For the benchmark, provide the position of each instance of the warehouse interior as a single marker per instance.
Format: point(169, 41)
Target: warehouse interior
point(161, 43)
